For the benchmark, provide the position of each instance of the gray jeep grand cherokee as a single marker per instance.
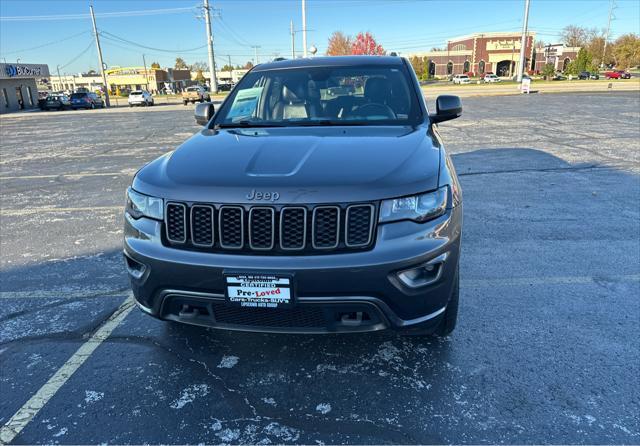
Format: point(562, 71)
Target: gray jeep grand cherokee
point(318, 199)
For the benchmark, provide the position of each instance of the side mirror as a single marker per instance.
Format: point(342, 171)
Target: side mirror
point(204, 112)
point(447, 107)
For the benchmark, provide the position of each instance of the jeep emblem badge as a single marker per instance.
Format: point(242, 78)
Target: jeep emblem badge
point(267, 196)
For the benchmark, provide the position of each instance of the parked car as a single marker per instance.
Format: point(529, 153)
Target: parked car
point(225, 86)
point(461, 79)
point(490, 78)
point(617, 74)
point(86, 100)
point(140, 97)
point(57, 102)
point(559, 77)
point(586, 75)
point(340, 216)
point(194, 94)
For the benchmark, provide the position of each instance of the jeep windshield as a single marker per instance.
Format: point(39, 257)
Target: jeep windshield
point(309, 96)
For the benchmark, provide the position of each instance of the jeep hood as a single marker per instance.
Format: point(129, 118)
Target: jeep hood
point(301, 164)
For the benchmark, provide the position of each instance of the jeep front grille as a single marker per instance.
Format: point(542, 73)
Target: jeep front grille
point(285, 230)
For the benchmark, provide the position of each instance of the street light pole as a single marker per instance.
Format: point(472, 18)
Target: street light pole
point(523, 41)
point(304, 28)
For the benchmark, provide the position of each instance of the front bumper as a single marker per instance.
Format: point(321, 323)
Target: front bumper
point(344, 292)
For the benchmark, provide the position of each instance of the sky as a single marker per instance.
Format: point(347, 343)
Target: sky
point(59, 33)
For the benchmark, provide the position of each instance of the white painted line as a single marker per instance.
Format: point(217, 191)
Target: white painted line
point(30, 409)
point(43, 210)
point(62, 293)
point(69, 175)
point(557, 280)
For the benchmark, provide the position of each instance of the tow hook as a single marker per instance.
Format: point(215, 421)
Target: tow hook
point(188, 312)
point(352, 319)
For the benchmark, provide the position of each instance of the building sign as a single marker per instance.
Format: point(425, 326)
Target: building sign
point(127, 71)
point(21, 71)
point(497, 45)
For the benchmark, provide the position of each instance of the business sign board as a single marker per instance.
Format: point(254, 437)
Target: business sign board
point(23, 71)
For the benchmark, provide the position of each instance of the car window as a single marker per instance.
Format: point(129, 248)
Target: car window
point(324, 96)
point(78, 95)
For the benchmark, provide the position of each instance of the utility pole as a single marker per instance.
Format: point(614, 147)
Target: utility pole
point(104, 76)
point(146, 75)
point(523, 41)
point(255, 48)
point(606, 36)
point(304, 28)
point(212, 63)
point(59, 77)
point(293, 40)
point(229, 62)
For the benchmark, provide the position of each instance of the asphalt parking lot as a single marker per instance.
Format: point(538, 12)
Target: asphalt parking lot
point(546, 349)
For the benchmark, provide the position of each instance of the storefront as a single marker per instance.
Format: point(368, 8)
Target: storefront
point(493, 52)
point(19, 85)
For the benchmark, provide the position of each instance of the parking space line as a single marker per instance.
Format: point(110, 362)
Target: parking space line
point(552, 280)
point(62, 294)
point(30, 409)
point(68, 175)
point(43, 210)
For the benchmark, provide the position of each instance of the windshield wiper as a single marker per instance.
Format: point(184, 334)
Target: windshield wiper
point(329, 122)
point(245, 124)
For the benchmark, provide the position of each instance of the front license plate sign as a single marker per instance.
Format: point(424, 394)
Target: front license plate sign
point(259, 290)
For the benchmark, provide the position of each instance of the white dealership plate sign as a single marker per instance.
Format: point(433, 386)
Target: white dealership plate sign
point(259, 290)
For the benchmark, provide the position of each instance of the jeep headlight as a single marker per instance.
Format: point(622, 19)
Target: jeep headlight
point(139, 205)
point(418, 208)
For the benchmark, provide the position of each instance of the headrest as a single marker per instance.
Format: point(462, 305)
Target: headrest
point(377, 89)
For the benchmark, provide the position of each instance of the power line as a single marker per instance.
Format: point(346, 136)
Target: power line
point(24, 50)
point(78, 56)
point(138, 13)
point(108, 35)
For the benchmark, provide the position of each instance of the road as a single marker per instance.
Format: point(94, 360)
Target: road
point(546, 350)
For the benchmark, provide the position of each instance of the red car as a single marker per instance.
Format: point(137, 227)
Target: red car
point(617, 74)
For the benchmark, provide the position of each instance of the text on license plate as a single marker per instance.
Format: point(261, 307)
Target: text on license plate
point(258, 290)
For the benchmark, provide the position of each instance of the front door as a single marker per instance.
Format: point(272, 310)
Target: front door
point(20, 98)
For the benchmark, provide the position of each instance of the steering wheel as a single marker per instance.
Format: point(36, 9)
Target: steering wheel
point(375, 109)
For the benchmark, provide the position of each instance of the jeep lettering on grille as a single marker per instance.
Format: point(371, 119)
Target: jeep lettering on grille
point(267, 196)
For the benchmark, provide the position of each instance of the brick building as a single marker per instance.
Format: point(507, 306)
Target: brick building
point(496, 52)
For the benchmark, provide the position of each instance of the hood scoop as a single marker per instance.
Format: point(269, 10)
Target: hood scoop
point(278, 160)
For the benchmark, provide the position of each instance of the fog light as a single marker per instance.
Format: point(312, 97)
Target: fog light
point(425, 274)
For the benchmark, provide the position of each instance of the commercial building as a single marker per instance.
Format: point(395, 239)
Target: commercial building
point(19, 85)
point(493, 52)
point(557, 55)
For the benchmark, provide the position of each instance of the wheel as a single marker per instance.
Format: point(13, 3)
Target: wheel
point(151, 103)
point(450, 318)
point(185, 102)
point(130, 105)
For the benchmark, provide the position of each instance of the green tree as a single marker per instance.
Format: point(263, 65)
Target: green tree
point(180, 64)
point(626, 50)
point(581, 63)
point(418, 66)
point(548, 71)
point(155, 65)
point(200, 77)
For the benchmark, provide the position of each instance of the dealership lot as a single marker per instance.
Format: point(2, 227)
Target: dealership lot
point(546, 349)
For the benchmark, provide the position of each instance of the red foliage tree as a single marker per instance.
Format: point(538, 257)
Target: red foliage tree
point(365, 43)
